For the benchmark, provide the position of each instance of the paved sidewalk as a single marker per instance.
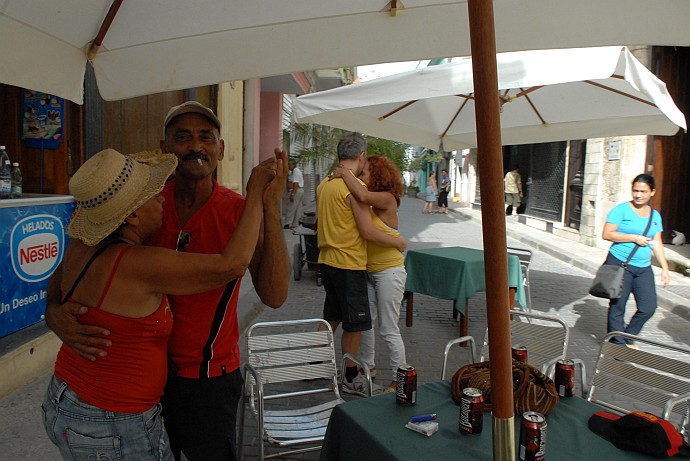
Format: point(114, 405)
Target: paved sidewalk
point(560, 278)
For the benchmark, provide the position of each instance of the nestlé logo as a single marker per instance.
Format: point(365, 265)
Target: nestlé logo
point(36, 247)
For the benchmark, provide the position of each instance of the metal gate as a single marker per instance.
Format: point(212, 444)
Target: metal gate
point(542, 168)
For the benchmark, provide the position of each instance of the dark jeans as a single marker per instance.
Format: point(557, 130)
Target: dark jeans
point(200, 415)
point(443, 199)
point(640, 282)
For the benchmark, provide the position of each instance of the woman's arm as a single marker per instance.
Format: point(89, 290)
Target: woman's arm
point(380, 200)
point(611, 234)
point(367, 229)
point(659, 254)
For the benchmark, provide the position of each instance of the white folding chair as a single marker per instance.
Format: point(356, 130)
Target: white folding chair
point(525, 257)
point(545, 337)
point(654, 378)
point(291, 385)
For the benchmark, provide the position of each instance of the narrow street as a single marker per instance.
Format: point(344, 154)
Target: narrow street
point(558, 288)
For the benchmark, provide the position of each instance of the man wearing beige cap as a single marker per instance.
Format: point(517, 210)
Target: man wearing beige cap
point(205, 383)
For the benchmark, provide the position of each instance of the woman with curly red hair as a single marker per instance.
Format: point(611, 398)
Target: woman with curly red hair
point(386, 266)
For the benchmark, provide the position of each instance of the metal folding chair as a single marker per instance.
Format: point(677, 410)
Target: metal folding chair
point(545, 337)
point(525, 257)
point(291, 385)
point(654, 378)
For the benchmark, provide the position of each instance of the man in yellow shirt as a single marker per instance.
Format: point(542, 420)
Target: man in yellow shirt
point(344, 227)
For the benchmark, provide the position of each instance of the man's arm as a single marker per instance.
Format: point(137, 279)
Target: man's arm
point(270, 266)
point(63, 319)
point(293, 190)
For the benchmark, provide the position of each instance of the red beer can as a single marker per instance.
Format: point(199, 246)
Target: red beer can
point(532, 436)
point(406, 385)
point(565, 377)
point(520, 353)
point(471, 411)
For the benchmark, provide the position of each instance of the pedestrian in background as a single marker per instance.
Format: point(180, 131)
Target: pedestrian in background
point(293, 213)
point(386, 266)
point(512, 185)
point(625, 227)
point(444, 190)
point(431, 191)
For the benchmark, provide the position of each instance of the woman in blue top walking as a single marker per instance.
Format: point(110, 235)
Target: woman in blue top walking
point(625, 226)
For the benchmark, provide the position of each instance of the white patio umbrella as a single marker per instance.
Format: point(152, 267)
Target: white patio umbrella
point(160, 45)
point(545, 95)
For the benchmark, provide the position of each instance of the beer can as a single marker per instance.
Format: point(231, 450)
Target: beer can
point(520, 353)
point(471, 411)
point(532, 436)
point(565, 377)
point(406, 385)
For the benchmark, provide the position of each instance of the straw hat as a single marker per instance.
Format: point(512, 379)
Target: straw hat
point(110, 186)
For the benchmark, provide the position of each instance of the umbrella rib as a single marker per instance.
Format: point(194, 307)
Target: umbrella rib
point(404, 106)
point(105, 26)
point(467, 98)
point(525, 93)
point(622, 93)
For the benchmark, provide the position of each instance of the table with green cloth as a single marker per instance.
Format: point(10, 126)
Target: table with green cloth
point(374, 429)
point(455, 273)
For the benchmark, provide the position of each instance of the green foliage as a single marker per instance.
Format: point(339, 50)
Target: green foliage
point(324, 144)
point(421, 162)
point(323, 141)
point(395, 151)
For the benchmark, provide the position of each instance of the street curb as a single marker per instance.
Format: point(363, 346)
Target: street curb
point(27, 362)
point(666, 300)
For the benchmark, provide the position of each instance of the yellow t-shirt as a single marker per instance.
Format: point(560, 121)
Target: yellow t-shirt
point(340, 244)
point(378, 257)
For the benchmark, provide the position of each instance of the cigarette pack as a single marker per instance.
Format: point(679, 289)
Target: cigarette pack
point(426, 427)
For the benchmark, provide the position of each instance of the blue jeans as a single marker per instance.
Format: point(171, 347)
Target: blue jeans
point(640, 282)
point(84, 432)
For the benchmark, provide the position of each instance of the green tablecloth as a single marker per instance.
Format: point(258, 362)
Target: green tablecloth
point(373, 429)
point(455, 273)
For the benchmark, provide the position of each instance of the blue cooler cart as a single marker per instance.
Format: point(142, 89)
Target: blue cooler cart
point(307, 250)
point(33, 237)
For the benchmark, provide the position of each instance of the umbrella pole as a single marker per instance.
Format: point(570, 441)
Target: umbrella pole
point(483, 44)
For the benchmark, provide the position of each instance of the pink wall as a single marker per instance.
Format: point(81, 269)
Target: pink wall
point(271, 131)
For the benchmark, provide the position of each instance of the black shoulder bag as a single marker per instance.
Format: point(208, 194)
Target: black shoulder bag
point(608, 283)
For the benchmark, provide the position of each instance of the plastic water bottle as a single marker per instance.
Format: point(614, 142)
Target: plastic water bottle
point(16, 189)
point(5, 174)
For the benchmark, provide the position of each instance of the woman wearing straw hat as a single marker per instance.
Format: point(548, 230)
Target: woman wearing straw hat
point(109, 409)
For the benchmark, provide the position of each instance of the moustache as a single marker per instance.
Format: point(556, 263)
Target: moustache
point(195, 156)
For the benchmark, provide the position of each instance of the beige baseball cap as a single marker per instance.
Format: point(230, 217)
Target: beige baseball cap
point(191, 107)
